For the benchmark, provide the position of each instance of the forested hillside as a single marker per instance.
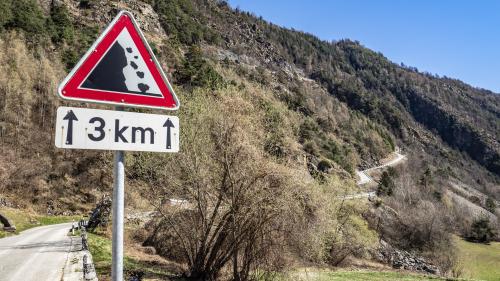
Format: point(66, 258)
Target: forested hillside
point(274, 125)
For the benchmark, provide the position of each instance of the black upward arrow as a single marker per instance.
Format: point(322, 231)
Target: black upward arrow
point(70, 116)
point(169, 125)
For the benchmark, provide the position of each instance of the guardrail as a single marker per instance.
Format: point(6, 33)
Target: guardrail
point(85, 245)
point(88, 267)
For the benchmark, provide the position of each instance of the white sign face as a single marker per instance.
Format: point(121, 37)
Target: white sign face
point(85, 128)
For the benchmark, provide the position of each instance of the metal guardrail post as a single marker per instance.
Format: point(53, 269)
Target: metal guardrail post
point(85, 267)
point(85, 245)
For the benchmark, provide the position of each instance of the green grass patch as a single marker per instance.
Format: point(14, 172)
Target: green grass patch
point(100, 248)
point(327, 275)
point(479, 261)
point(46, 220)
point(24, 220)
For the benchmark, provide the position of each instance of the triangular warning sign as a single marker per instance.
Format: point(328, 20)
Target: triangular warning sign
point(120, 69)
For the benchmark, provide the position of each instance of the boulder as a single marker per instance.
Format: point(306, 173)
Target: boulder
point(401, 259)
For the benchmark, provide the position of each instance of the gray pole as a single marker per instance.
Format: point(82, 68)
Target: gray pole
point(118, 213)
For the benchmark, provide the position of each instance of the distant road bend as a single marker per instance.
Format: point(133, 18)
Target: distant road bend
point(37, 254)
point(365, 178)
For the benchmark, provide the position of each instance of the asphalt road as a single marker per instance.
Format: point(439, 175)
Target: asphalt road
point(364, 178)
point(37, 254)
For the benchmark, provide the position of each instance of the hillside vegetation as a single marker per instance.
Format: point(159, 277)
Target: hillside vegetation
point(274, 125)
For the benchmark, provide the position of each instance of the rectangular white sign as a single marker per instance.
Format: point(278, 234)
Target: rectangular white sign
point(85, 128)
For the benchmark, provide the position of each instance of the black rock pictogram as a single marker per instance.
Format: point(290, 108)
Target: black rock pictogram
point(143, 87)
point(108, 74)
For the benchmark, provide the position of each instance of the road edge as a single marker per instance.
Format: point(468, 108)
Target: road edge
point(73, 268)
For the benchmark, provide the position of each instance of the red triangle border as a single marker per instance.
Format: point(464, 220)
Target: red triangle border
point(69, 88)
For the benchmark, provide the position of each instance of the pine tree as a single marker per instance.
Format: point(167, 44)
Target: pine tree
point(386, 185)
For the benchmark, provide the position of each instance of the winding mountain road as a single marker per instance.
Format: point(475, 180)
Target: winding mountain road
point(365, 178)
point(37, 254)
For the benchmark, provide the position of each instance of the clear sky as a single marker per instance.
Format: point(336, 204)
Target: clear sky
point(456, 38)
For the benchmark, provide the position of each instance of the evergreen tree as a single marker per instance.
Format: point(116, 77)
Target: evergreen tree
point(490, 205)
point(481, 231)
point(386, 185)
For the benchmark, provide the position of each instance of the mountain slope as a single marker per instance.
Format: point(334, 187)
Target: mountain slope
point(418, 108)
point(354, 104)
point(282, 115)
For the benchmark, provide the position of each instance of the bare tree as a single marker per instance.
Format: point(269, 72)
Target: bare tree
point(235, 202)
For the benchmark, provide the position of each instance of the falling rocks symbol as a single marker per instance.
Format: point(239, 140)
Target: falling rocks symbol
point(120, 69)
point(110, 74)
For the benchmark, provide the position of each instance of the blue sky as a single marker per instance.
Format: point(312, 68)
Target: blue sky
point(456, 38)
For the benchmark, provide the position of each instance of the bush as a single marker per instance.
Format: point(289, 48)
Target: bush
point(78, 44)
point(195, 71)
point(308, 129)
point(310, 148)
point(23, 14)
point(386, 185)
point(182, 21)
point(411, 219)
point(481, 231)
point(352, 238)
point(86, 4)
point(324, 165)
point(27, 16)
point(60, 23)
point(5, 13)
point(490, 205)
point(274, 143)
point(240, 198)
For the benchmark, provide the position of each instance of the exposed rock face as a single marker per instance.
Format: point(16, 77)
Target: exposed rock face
point(6, 203)
point(102, 12)
point(459, 134)
point(401, 259)
point(139, 218)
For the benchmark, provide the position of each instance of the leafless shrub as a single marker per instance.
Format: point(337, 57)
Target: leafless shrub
point(245, 214)
point(415, 219)
point(239, 203)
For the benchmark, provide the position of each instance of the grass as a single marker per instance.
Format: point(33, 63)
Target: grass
point(100, 248)
point(24, 220)
point(327, 275)
point(479, 261)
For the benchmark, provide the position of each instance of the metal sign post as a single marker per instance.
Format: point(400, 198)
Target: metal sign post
point(118, 213)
